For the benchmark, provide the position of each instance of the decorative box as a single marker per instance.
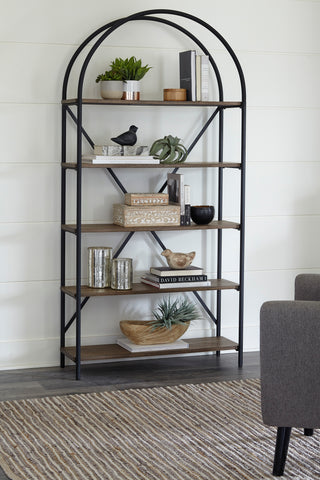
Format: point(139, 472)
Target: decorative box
point(146, 199)
point(139, 216)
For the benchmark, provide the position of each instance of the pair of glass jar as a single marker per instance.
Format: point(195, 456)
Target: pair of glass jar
point(105, 271)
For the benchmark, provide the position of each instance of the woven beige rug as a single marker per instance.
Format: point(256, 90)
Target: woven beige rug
point(206, 432)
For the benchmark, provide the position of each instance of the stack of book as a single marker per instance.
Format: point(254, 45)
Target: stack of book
point(166, 277)
point(194, 75)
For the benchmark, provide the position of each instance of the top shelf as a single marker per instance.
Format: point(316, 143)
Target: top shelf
point(141, 103)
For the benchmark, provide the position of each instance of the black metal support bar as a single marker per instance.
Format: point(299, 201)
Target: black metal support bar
point(205, 307)
point(74, 316)
point(116, 179)
point(84, 133)
point(123, 244)
point(63, 235)
point(162, 245)
point(195, 141)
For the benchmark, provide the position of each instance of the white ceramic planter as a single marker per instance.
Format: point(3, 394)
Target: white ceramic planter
point(131, 90)
point(111, 89)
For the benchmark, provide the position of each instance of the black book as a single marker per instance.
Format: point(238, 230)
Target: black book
point(170, 272)
point(187, 70)
point(176, 279)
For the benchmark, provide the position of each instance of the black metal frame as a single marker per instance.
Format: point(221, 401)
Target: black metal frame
point(105, 31)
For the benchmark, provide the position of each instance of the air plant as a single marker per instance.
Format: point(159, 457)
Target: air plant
point(169, 150)
point(170, 313)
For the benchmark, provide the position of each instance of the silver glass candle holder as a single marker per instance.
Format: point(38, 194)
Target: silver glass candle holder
point(121, 274)
point(99, 263)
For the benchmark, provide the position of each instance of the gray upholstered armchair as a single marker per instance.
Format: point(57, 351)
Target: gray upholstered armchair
point(290, 364)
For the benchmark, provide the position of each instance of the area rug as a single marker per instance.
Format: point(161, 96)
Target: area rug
point(204, 432)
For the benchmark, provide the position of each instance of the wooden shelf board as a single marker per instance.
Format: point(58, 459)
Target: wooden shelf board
point(114, 351)
point(141, 103)
point(73, 166)
point(111, 227)
point(142, 288)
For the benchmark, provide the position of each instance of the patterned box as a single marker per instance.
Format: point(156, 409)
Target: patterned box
point(140, 216)
point(146, 199)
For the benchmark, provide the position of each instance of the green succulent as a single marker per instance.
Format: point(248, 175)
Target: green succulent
point(170, 313)
point(169, 150)
point(130, 68)
point(108, 75)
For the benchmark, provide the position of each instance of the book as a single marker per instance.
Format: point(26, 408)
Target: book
point(204, 77)
point(187, 72)
point(175, 279)
point(118, 159)
point(159, 285)
point(133, 347)
point(198, 78)
point(175, 186)
point(170, 272)
point(187, 205)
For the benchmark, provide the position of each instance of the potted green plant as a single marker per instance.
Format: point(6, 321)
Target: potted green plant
point(111, 85)
point(171, 321)
point(131, 72)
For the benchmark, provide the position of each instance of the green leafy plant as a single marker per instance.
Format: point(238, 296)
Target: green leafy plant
point(169, 150)
point(130, 68)
point(108, 75)
point(170, 313)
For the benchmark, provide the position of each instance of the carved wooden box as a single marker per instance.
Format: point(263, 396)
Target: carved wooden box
point(139, 216)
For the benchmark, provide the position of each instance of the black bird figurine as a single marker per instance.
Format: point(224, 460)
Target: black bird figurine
point(127, 138)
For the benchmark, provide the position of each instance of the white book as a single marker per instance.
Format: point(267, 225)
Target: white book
point(204, 75)
point(198, 78)
point(118, 159)
point(133, 347)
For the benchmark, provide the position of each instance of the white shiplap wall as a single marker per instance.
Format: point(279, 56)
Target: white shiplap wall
point(277, 42)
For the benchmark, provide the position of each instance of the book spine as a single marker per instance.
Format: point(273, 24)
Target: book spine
point(187, 206)
point(177, 279)
point(198, 78)
point(173, 273)
point(204, 78)
point(182, 202)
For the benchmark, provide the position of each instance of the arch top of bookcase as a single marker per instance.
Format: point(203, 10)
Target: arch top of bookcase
point(103, 32)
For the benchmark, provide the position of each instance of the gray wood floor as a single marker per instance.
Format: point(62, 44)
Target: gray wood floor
point(40, 382)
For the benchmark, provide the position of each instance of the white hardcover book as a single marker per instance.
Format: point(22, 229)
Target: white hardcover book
point(198, 78)
point(118, 159)
point(204, 67)
point(133, 347)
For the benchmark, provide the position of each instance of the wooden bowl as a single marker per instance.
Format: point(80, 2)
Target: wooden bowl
point(141, 333)
point(175, 94)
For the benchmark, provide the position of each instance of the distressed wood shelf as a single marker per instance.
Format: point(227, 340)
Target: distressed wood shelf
point(111, 227)
point(73, 166)
point(153, 103)
point(142, 288)
point(114, 351)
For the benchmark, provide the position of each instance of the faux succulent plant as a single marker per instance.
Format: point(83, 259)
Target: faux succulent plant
point(130, 68)
point(169, 150)
point(175, 312)
point(108, 75)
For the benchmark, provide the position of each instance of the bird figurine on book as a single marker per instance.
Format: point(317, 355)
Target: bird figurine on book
point(127, 138)
point(178, 260)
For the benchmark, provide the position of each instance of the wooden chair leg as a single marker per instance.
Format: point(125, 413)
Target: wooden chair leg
point(308, 432)
point(282, 444)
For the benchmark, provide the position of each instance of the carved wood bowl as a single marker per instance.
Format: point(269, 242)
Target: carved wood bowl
point(141, 333)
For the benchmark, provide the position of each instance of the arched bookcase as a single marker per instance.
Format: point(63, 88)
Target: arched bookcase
point(73, 108)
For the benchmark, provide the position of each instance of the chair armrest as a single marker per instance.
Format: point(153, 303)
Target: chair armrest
point(307, 287)
point(290, 363)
